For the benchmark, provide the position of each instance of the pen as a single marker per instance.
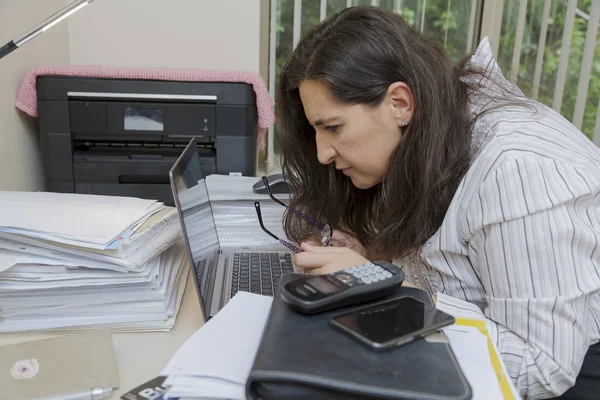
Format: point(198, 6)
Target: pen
point(95, 393)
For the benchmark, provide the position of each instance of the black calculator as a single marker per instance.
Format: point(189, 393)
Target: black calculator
point(311, 294)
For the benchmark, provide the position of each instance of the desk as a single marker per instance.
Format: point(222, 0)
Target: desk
point(141, 356)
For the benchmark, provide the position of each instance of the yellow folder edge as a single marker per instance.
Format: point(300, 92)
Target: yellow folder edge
point(496, 364)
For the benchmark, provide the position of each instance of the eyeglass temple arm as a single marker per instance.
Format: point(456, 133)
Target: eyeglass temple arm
point(283, 242)
point(266, 183)
point(260, 220)
point(318, 224)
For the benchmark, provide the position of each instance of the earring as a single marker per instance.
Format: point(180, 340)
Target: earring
point(404, 123)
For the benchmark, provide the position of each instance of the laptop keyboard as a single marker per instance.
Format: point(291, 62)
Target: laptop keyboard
point(259, 272)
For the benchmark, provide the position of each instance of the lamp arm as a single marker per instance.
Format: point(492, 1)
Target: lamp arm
point(42, 26)
point(7, 48)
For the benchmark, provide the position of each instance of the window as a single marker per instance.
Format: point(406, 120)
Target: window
point(546, 47)
point(454, 23)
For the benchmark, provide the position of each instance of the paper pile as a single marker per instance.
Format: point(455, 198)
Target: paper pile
point(71, 261)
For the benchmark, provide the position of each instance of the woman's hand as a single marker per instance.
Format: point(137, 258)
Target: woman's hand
point(342, 239)
point(325, 260)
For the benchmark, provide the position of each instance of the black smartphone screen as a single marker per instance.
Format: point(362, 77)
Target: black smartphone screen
point(393, 319)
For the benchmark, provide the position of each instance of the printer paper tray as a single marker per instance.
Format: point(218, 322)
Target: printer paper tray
point(129, 165)
point(141, 172)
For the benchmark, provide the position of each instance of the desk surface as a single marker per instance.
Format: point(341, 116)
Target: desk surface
point(141, 356)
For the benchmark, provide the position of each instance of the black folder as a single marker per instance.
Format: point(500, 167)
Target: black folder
point(304, 357)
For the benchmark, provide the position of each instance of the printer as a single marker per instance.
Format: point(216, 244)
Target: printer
point(121, 136)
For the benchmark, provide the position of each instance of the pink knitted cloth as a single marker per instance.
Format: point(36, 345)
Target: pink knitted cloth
point(27, 97)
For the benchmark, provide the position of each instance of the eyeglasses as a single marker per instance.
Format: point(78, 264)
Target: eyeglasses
point(325, 229)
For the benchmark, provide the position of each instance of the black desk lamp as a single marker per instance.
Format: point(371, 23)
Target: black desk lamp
point(43, 26)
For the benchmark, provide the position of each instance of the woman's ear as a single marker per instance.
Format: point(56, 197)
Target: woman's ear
point(400, 97)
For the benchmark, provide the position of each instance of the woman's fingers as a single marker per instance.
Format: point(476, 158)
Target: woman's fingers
point(327, 259)
point(328, 269)
point(306, 246)
point(343, 239)
point(313, 242)
point(314, 260)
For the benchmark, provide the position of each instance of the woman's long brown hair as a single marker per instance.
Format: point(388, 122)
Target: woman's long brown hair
point(358, 54)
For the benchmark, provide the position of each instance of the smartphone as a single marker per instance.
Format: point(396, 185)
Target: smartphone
point(391, 323)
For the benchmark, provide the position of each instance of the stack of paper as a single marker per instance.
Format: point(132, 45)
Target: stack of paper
point(82, 220)
point(70, 261)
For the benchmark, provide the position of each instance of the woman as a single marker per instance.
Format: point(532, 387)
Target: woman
point(484, 197)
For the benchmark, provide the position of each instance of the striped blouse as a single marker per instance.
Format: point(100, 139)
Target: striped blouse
point(519, 244)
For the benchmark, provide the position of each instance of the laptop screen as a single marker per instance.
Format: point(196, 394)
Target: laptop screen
point(198, 225)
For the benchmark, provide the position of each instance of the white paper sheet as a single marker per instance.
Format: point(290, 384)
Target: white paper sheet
point(229, 187)
point(165, 237)
point(224, 348)
point(471, 350)
point(72, 218)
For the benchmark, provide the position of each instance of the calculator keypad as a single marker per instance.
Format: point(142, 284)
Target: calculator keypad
point(365, 273)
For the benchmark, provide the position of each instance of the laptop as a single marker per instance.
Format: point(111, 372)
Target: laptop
point(219, 271)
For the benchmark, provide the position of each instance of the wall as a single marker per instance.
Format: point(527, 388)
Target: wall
point(265, 22)
point(20, 160)
point(195, 34)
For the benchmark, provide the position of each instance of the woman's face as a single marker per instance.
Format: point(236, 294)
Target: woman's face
point(359, 139)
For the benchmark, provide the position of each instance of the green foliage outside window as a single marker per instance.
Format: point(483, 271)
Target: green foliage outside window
point(558, 10)
point(448, 22)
